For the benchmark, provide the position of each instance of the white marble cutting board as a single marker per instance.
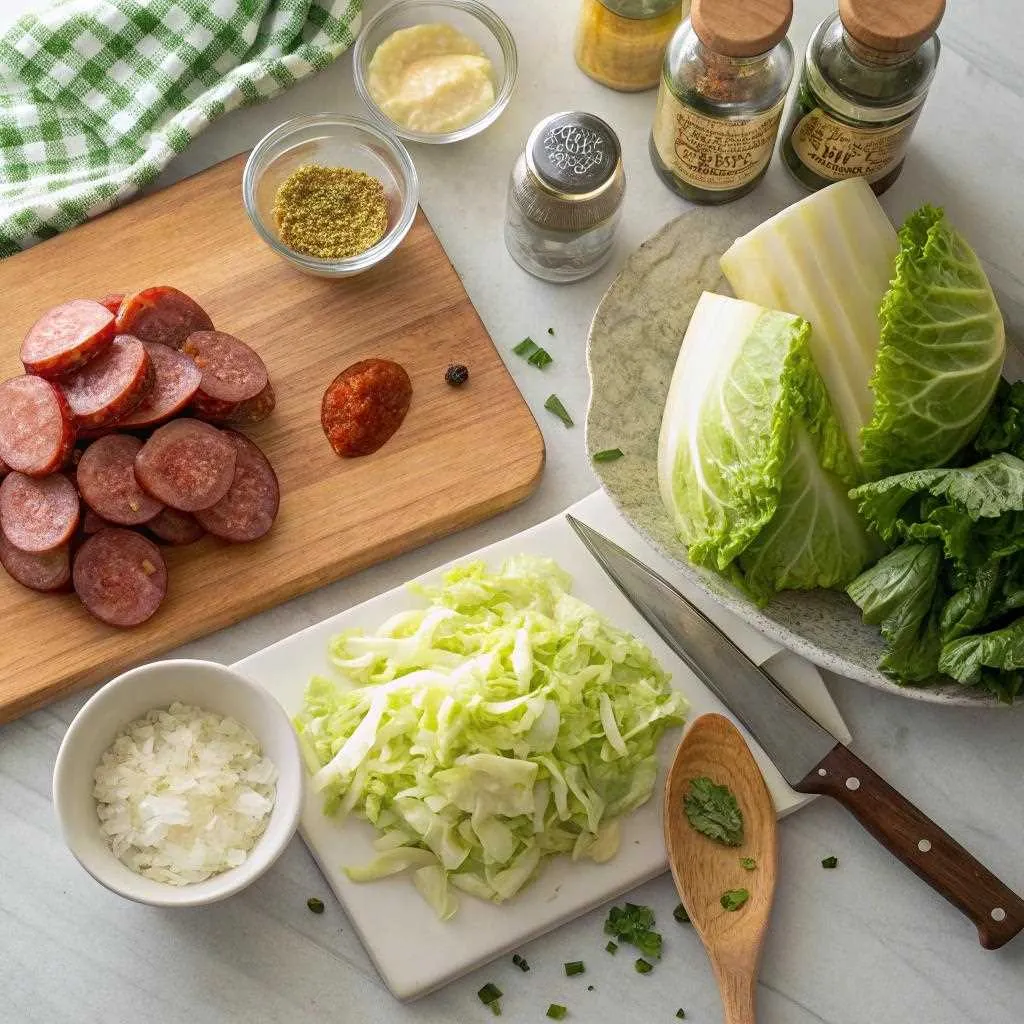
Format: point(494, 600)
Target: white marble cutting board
point(413, 951)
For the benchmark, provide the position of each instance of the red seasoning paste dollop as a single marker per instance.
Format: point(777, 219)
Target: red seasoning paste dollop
point(364, 405)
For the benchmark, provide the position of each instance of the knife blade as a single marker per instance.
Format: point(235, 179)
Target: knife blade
point(808, 756)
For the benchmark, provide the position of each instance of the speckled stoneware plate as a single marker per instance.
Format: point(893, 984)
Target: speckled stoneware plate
point(631, 352)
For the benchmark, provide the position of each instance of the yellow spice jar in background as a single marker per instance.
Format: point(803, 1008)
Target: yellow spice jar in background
point(621, 43)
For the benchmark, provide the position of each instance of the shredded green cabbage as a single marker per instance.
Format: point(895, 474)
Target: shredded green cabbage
point(503, 723)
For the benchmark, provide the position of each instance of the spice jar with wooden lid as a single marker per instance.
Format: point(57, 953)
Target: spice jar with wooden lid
point(723, 86)
point(621, 43)
point(864, 81)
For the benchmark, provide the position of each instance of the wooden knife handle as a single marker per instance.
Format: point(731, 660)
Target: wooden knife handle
point(997, 912)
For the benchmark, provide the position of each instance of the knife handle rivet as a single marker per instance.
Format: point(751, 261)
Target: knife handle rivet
point(853, 782)
point(924, 845)
point(998, 914)
point(822, 772)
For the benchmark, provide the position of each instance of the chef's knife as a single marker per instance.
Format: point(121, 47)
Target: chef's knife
point(808, 756)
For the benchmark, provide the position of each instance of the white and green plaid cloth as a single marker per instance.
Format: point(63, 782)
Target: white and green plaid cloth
point(96, 96)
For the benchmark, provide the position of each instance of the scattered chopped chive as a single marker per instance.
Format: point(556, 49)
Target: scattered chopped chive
point(574, 967)
point(635, 925)
point(520, 962)
point(643, 967)
point(748, 863)
point(733, 899)
point(540, 358)
point(554, 404)
point(830, 862)
point(551, 330)
point(608, 455)
point(556, 1011)
point(315, 904)
point(681, 915)
point(490, 993)
point(612, 947)
point(681, 1013)
point(526, 348)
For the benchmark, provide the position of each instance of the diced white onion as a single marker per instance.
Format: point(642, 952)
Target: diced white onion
point(183, 794)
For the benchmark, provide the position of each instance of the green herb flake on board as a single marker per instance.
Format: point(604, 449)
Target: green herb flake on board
point(574, 967)
point(733, 899)
point(635, 925)
point(611, 947)
point(540, 358)
point(713, 811)
point(830, 862)
point(642, 966)
point(315, 904)
point(681, 915)
point(681, 1013)
point(608, 455)
point(526, 348)
point(556, 1011)
point(554, 404)
point(489, 994)
point(748, 863)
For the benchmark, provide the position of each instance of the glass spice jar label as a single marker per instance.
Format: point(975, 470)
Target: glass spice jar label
point(710, 152)
point(837, 151)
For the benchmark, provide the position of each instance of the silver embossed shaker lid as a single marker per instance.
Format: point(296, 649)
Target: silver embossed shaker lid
point(570, 176)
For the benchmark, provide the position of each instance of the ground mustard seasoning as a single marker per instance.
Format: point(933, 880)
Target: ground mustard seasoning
point(330, 213)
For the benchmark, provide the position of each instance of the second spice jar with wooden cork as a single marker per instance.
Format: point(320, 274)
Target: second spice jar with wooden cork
point(723, 86)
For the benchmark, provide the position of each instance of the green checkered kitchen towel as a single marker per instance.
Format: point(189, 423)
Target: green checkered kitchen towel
point(96, 96)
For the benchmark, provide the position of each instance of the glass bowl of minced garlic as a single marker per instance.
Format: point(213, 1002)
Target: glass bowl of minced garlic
point(334, 195)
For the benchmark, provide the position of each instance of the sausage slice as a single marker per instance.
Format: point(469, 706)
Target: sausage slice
point(175, 380)
point(106, 480)
point(111, 385)
point(66, 337)
point(364, 405)
point(162, 314)
point(48, 571)
point(232, 372)
point(186, 464)
point(174, 527)
point(36, 427)
point(248, 510)
point(120, 577)
point(38, 514)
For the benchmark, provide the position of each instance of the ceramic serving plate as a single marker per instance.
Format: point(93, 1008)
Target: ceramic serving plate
point(413, 951)
point(631, 353)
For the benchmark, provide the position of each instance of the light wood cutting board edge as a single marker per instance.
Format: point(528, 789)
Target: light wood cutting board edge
point(513, 471)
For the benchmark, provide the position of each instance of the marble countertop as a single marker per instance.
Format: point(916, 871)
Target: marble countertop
point(866, 942)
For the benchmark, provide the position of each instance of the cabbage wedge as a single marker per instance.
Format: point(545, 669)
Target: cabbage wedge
point(753, 465)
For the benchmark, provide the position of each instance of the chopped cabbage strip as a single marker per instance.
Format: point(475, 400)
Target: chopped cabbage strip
point(503, 723)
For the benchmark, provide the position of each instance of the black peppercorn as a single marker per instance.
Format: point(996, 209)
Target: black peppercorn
point(457, 374)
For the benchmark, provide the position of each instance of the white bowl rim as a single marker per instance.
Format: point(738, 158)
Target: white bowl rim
point(234, 879)
point(369, 257)
point(490, 20)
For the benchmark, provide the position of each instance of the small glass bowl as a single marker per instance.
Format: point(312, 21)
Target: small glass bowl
point(475, 20)
point(333, 140)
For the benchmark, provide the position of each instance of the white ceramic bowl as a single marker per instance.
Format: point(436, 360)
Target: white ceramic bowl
point(207, 685)
point(470, 17)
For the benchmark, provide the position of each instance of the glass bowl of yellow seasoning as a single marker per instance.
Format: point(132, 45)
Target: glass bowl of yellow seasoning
point(334, 195)
point(435, 72)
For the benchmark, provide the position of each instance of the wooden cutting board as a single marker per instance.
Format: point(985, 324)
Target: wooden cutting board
point(461, 455)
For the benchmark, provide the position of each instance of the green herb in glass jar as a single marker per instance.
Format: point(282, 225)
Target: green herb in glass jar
point(864, 81)
point(723, 86)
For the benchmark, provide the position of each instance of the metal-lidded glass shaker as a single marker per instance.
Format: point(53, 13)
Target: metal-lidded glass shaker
point(565, 197)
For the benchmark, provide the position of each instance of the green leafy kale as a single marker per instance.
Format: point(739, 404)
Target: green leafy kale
point(713, 811)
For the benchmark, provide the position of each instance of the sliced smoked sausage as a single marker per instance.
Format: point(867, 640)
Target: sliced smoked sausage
point(48, 571)
point(120, 577)
point(112, 301)
point(176, 379)
point(36, 427)
point(364, 405)
point(111, 385)
point(66, 337)
point(38, 513)
point(92, 523)
point(186, 464)
point(248, 510)
point(232, 372)
point(174, 527)
point(162, 314)
point(253, 410)
point(106, 481)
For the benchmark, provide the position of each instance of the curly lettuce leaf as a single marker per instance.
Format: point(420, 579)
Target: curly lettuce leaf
point(902, 595)
point(994, 660)
point(1003, 427)
point(940, 355)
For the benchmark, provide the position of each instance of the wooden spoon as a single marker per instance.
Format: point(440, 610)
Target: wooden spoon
point(704, 869)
